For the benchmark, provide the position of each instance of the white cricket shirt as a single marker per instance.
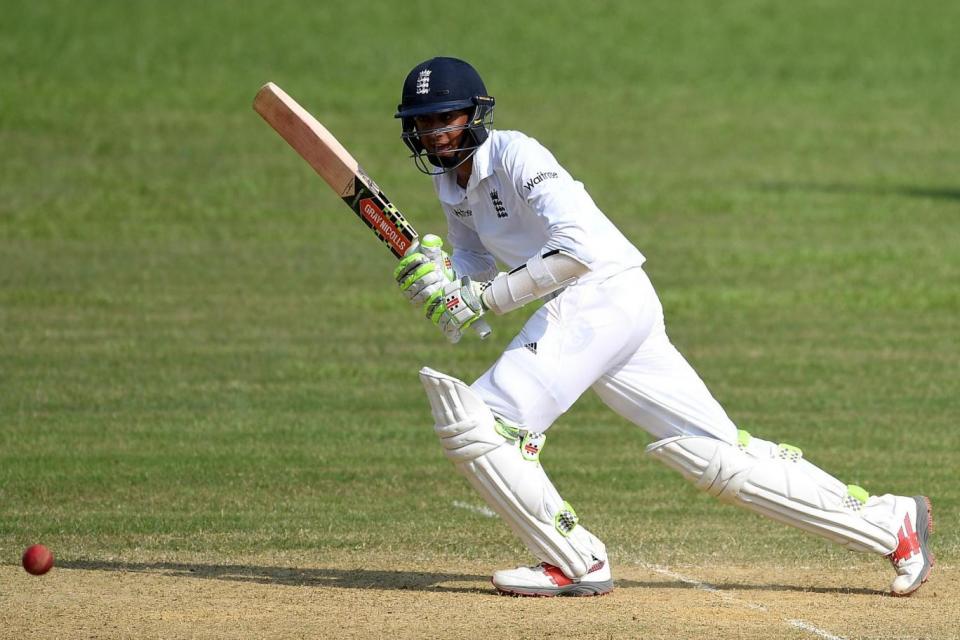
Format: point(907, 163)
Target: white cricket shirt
point(520, 202)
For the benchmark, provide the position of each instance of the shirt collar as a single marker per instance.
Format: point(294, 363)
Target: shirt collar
point(482, 163)
point(452, 193)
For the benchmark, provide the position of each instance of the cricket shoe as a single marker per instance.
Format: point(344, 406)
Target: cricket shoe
point(546, 580)
point(912, 558)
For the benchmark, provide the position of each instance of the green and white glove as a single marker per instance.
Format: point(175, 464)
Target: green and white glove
point(456, 306)
point(423, 273)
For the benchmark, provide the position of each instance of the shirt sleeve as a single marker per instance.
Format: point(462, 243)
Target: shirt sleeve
point(469, 256)
point(560, 201)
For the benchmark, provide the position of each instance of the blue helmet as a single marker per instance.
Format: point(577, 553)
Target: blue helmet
point(440, 85)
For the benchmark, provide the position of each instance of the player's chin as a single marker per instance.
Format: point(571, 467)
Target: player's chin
point(444, 158)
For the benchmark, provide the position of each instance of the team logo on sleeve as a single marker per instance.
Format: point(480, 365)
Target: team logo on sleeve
point(498, 204)
point(540, 177)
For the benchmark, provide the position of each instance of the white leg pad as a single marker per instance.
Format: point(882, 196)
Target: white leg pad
point(794, 492)
point(517, 489)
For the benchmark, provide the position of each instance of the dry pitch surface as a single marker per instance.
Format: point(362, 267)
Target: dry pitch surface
point(374, 599)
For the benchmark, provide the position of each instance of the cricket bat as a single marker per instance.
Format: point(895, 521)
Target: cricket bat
point(341, 171)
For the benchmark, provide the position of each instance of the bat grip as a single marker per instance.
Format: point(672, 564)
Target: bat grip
point(482, 329)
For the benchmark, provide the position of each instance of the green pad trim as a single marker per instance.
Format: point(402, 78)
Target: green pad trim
point(532, 446)
point(508, 431)
point(859, 494)
point(789, 452)
point(566, 520)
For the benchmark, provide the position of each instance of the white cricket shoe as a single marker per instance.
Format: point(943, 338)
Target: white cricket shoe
point(912, 558)
point(546, 580)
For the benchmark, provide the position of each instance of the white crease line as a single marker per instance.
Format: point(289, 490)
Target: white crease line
point(806, 626)
point(703, 586)
point(728, 597)
point(483, 511)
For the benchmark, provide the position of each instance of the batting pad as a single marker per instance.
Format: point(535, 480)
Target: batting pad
point(776, 487)
point(517, 489)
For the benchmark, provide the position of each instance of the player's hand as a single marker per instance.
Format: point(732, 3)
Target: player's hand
point(422, 274)
point(457, 306)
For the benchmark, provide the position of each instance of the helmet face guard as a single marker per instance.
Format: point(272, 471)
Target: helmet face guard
point(476, 131)
point(442, 85)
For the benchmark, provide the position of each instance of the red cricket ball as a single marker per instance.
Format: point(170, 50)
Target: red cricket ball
point(37, 560)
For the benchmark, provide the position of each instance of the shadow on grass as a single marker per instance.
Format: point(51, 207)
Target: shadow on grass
point(733, 586)
point(288, 576)
point(388, 580)
point(935, 193)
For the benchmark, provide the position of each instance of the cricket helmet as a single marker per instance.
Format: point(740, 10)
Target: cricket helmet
point(441, 85)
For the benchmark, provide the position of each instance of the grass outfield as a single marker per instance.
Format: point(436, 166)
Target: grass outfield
point(183, 375)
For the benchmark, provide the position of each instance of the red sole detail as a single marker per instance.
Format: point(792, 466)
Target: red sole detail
point(933, 559)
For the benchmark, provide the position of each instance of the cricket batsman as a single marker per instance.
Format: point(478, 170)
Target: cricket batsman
point(508, 201)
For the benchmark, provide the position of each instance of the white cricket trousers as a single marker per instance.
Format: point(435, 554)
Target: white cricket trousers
point(608, 336)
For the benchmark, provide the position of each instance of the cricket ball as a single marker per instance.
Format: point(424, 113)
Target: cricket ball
point(37, 560)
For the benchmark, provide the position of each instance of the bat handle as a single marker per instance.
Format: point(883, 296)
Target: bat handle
point(482, 329)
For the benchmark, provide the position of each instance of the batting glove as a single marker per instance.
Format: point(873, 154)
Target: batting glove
point(421, 275)
point(456, 306)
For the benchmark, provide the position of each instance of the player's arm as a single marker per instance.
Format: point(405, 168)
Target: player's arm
point(555, 197)
point(539, 277)
point(503, 292)
point(459, 304)
point(561, 203)
point(455, 305)
point(564, 258)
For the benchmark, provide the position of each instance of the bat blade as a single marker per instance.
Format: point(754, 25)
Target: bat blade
point(341, 171)
point(308, 137)
point(336, 166)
